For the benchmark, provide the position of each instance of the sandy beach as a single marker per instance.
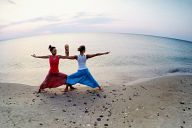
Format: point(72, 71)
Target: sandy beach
point(163, 102)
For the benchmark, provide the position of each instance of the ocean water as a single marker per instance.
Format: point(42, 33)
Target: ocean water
point(132, 57)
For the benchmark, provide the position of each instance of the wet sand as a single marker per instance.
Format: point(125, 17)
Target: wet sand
point(164, 102)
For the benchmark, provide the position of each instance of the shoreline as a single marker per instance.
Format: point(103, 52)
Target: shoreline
point(131, 80)
point(137, 81)
point(163, 102)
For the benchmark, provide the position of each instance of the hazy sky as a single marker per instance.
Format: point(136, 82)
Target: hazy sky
point(169, 18)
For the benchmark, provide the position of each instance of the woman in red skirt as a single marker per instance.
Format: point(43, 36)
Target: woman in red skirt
point(54, 78)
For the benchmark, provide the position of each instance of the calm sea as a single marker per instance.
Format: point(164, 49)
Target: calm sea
point(132, 57)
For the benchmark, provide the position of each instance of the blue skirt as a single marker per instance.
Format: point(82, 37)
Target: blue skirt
point(82, 77)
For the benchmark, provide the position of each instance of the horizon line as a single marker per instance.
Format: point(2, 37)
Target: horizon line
point(156, 36)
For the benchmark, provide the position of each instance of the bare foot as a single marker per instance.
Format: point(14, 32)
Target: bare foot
point(72, 88)
point(39, 91)
point(66, 90)
point(100, 88)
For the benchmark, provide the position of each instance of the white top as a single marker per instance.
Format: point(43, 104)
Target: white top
point(81, 59)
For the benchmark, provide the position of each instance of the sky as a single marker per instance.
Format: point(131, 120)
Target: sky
point(167, 18)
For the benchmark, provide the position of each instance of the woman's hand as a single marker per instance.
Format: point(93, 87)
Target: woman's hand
point(34, 55)
point(107, 52)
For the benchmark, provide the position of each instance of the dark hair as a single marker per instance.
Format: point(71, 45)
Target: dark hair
point(81, 48)
point(51, 47)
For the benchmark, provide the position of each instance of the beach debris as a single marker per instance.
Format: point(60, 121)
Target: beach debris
point(183, 122)
point(98, 119)
point(33, 100)
point(53, 109)
point(125, 115)
point(124, 89)
point(120, 94)
point(143, 87)
point(86, 110)
point(88, 125)
point(124, 100)
point(41, 124)
point(85, 103)
point(130, 98)
point(110, 113)
point(181, 127)
point(98, 95)
point(64, 110)
point(136, 94)
point(182, 102)
point(157, 114)
point(95, 124)
point(162, 108)
point(104, 96)
point(105, 124)
point(105, 107)
point(101, 116)
point(56, 119)
point(29, 120)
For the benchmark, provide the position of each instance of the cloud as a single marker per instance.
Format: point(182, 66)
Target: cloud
point(11, 1)
point(81, 22)
point(94, 20)
point(38, 19)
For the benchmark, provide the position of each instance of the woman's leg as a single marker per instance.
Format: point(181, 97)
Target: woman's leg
point(89, 80)
point(67, 86)
point(44, 83)
point(71, 80)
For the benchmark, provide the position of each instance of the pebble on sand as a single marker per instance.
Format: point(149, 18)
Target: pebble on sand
point(105, 124)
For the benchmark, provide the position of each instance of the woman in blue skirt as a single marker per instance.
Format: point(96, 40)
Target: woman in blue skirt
point(83, 76)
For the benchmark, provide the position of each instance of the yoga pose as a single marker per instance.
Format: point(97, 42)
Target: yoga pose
point(83, 76)
point(54, 78)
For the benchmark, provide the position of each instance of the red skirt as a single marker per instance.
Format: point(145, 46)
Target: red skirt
point(54, 80)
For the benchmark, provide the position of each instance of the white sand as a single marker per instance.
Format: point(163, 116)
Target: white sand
point(159, 103)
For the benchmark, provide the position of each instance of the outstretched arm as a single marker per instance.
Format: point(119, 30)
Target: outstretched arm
point(68, 57)
point(97, 54)
point(43, 57)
